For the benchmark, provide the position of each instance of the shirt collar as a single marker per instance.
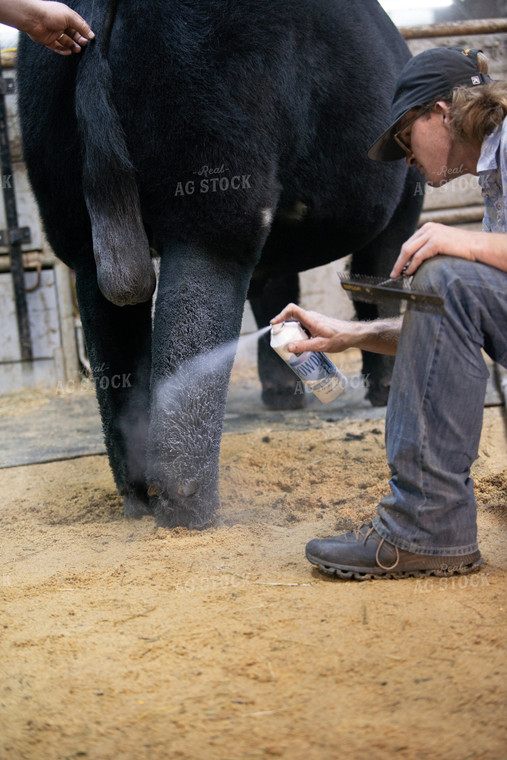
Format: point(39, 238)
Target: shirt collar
point(488, 160)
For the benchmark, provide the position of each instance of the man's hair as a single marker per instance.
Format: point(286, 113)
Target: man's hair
point(476, 111)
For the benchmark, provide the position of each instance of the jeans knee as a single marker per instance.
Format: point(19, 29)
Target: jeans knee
point(438, 273)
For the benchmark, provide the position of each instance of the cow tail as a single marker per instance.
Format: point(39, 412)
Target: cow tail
point(121, 249)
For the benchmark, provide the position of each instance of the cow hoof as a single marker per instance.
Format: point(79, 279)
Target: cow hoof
point(283, 399)
point(136, 506)
point(182, 519)
point(378, 394)
point(175, 512)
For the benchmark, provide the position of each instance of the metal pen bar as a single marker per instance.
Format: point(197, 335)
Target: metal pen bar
point(15, 236)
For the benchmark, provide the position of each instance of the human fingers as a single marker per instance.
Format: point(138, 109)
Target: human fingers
point(67, 31)
point(78, 28)
point(312, 344)
point(72, 40)
point(291, 312)
point(318, 343)
point(68, 21)
point(414, 251)
point(64, 44)
point(406, 252)
point(78, 37)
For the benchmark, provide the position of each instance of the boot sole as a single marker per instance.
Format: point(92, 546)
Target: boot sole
point(366, 574)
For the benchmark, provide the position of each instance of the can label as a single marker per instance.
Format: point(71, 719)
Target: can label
point(312, 367)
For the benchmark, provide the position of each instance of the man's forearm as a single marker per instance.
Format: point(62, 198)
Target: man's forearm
point(21, 14)
point(491, 248)
point(380, 336)
point(332, 335)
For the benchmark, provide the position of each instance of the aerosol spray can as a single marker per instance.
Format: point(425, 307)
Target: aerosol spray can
point(312, 367)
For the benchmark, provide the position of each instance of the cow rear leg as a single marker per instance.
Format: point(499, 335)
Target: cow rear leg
point(377, 259)
point(197, 323)
point(376, 368)
point(118, 341)
point(281, 389)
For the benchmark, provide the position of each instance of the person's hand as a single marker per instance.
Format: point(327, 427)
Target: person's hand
point(61, 29)
point(328, 334)
point(432, 239)
point(52, 24)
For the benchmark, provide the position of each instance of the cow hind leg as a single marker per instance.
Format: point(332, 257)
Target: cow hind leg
point(377, 259)
point(280, 386)
point(118, 342)
point(197, 322)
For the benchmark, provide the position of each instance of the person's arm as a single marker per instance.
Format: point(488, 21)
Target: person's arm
point(334, 335)
point(52, 24)
point(432, 239)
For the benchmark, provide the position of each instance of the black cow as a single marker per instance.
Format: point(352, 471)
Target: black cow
point(230, 137)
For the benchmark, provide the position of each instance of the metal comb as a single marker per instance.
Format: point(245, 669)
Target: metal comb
point(378, 290)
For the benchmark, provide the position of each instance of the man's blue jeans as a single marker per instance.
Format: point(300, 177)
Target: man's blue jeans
point(435, 409)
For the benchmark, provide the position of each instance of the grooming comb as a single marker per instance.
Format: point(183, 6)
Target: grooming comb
point(378, 290)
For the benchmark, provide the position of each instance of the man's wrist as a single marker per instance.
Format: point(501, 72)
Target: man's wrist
point(364, 332)
point(22, 15)
point(379, 336)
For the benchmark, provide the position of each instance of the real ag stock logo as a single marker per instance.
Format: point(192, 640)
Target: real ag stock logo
point(213, 180)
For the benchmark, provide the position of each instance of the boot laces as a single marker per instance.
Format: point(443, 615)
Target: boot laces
point(365, 536)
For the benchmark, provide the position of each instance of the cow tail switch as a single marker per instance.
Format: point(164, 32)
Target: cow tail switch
point(125, 271)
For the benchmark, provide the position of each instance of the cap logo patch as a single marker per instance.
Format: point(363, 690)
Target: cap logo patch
point(475, 80)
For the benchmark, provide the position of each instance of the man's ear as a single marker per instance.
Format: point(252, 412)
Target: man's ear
point(441, 108)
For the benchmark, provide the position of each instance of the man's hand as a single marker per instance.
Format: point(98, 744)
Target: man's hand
point(52, 24)
point(432, 239)
point(334, 335)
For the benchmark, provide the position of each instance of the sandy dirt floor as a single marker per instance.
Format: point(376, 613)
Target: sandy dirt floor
point(121, 641)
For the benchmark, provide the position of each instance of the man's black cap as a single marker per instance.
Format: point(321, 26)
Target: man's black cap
point(429, 76)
